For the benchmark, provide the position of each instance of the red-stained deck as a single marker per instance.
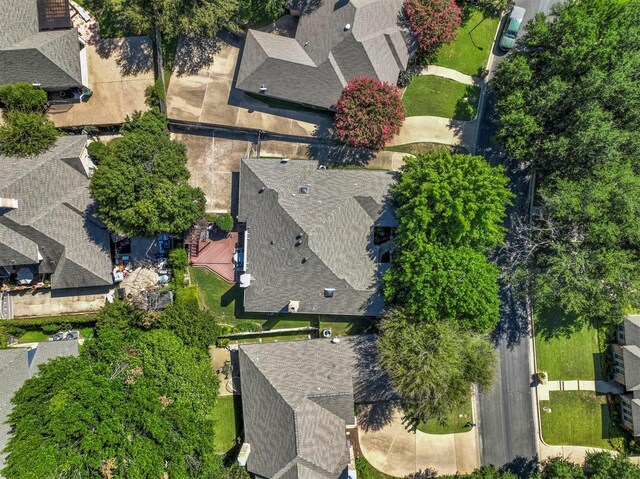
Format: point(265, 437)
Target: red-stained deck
point(216, 255)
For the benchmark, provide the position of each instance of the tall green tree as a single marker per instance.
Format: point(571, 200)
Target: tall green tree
point(23, 97)
point(433, 365)
point(25, 134)
point(134, 404)
point(141, 185)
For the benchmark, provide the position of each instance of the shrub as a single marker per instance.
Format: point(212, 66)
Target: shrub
point(246, 327)
point(369, 113)
point(25, 134)
point(98, 151)
point(37, 323)
point(178, 259)
point(225, 222)
point(51, 328)
point(23, 97)
point(405, 78)
point(433, 21)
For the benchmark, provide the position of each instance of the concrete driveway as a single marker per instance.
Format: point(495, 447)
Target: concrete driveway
point(120, 70)
point(202, 90)
point(214, 164)
point(47, 303)
point(399, 450)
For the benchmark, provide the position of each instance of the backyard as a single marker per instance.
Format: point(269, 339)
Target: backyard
point(577, 418)
point(565, 349)
point(228, 416)
point(470, 50)
point(435, 96)
point(225, 300)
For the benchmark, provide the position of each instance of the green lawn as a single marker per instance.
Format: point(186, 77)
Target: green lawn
point(469, 52)
point(367, 471)
point(577, 418)
point(33, 337)
point(566, 353)
point(226, 301)
point(436, 96)
point(458, 421)
point(228, 416)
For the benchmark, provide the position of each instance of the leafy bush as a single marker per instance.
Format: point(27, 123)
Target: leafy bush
point(25, 134)
point(51, 328)
point(178, 259)
point(225, 222)
point(154, 94)
point(433, 21)
point(98, 151)
point(406, 77)
point(37, 323)
point(247, 327)
point(369, 113)
point(23, 97)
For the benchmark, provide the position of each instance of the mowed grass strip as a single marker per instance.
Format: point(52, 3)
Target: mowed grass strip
point(566, 353)
point(469, 52)
point(435, 96)
point(577, 418)
point(227, 414)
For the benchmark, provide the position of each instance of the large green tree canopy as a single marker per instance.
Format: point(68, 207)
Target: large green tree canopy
point(450, 209)
point(135, 403)
point(569, 105)
point(141, 185)
point(433, 365)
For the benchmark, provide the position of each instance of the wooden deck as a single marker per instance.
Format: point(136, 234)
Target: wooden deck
point(217, 256)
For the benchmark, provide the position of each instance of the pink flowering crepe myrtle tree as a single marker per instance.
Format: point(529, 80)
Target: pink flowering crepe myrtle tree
point(369, 113)
point(433, 21)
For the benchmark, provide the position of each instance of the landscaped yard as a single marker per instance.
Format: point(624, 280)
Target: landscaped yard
point(33, 337)
point(457, 421)
point(578, 418)
point(228, 416)
point(225, 300)
point(469, 53)
point(435, 96)
point(367, 471)
point(566, 353)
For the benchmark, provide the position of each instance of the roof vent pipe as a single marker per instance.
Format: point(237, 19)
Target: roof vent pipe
point(347, 27)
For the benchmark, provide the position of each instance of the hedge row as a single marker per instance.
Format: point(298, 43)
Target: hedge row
point(36, 323)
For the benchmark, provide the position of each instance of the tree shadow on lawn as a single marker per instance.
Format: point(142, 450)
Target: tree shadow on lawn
point(554, 323)
point(467, 106)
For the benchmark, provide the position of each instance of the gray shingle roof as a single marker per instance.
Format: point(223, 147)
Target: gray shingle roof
point(297, 399)
point(16, 366)
point(631, 354)
point(51, 58)
point(632, 329)
point(314, 66)
point(55, 214)
point(331, 227)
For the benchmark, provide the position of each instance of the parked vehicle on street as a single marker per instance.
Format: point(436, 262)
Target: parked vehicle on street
point(511, 29)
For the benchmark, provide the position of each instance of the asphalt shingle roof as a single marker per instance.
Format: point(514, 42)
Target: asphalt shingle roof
point(16, 366)
point(298, 398)
point(54, 214)
point(331, 226)
point(314, 66)
point(50, 58)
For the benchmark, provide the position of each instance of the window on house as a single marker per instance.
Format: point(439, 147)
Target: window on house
point(329, 292)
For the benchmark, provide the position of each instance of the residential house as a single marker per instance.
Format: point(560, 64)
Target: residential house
point(48, 234)
point(316, 240)
point(39, 46)
point(298, 404)
point(16, 366)
point(329, 43)
point(626, 357)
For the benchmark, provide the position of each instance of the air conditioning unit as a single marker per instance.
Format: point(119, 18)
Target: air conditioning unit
point(294, 306)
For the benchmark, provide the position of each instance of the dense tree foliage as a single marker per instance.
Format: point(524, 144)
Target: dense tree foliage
point(434, 22)
point(433, 365)
point(569, 105)
point(26, 133)
point(175, 17)
point(369, 113)
point(450, 210)
point(134, 404)
point(23, 97)
point(257, 11)
point(141, 186)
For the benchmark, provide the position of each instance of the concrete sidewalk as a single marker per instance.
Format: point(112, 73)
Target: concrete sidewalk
point(434, 129)
point(399, 450)
point(602, 387)
point(452, 75)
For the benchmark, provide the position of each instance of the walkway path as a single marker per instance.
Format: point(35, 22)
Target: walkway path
point(434, 129)
point(452, 75)
point(603, 387)
point(399, 450)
